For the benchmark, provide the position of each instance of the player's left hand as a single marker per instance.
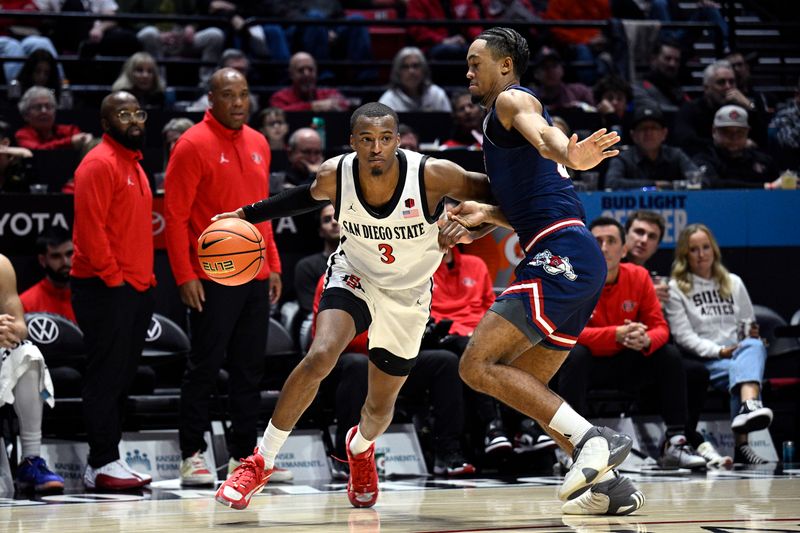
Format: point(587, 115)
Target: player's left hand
point(275, 287)
point(589, 152)
point(451, 233)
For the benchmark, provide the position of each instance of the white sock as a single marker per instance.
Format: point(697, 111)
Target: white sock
point(28, 405)
point(271, 443)
point(359, 444)
point(570, 424)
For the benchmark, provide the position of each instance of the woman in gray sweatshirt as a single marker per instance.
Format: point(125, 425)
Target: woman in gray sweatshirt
point(707, 310)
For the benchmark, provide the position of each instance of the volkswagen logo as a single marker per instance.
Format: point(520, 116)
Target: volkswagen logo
point(153, 330)
point(43, 330)
point(158, 222)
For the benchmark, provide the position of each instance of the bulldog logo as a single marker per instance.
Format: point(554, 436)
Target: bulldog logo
point(554, 264)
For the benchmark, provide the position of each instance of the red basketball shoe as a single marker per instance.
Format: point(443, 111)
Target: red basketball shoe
point(245, 482)
point(362, 485)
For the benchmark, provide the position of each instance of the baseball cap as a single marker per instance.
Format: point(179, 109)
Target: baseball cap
point(731, 116)
point(648, 112)
point(544, 54)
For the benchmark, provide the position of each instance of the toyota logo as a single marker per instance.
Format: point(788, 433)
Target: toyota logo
point(43, 330)
point(158, 222)
point(153, 330)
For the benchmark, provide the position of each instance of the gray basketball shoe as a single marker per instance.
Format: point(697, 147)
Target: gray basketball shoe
point(618, 496)
point(600, 450)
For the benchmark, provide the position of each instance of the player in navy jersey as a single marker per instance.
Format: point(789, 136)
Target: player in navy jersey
point(519, 345)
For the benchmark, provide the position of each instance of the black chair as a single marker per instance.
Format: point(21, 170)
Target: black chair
point(768, 321)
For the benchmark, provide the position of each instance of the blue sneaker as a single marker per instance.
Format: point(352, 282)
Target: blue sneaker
point(32, 472)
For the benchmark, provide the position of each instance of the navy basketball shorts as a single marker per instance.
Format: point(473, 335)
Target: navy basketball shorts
point(556, 288)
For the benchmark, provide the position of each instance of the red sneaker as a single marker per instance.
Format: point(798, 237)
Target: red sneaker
point(245, 482)
point(362, 485)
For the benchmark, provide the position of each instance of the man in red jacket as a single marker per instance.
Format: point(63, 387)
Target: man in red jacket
point(625, 345)
point(52, 294)
point(303, 94)
point(215, 166)
point(112, 276)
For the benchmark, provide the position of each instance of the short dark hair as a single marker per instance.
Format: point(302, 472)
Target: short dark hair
point(52, 236)
point(505, 42)
point(373, 110)
point(608, 221)
point(612, 84)
point(660, 43)
point(647, 216)
point(405, 129)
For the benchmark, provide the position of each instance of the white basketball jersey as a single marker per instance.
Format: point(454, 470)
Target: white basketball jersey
point(396, 246)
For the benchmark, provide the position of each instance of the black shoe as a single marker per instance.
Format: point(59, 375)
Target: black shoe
point(452, 464)
point(745, 455)
point(532, 439)
point(752, 417)
point(496, 440)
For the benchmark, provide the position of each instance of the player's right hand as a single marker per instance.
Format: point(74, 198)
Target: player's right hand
point(469, 214)
point(452, 233)
point(239, 213)
point(192, 294)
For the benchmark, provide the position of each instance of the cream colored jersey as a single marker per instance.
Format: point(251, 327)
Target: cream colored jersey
point(396, 247)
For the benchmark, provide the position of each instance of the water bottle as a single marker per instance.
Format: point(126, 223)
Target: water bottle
point(65, 102)
point(14, 90)
point(788, 452)
point(318, 124)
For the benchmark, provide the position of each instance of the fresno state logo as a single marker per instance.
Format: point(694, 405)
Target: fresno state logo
point(554, 264)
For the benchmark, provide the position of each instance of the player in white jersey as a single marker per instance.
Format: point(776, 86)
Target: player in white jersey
point(387, 201)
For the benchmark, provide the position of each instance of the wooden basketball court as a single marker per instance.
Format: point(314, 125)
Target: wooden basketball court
point(762, 499)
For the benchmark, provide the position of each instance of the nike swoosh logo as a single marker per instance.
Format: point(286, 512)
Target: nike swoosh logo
point(205, 244)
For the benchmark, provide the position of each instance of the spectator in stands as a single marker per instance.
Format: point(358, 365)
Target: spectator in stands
point(625, 345)
point(644, 231)
point(14, 174)
point(548, 71)
point(744, 82)
point(706, 307)
point(467, 123)
point(38, 108)
point(52, 294)
point(274, 127)
point(409, 139)
point(40, 68)
point(649, 161)
point(177, 40)
point(303, 94)
point(694, 119)
point(309, 269)
point(216, 164)
point(410, 85)
point(443, 42)
point(730, 163)
point(613, 96)
point(661, 86)
point(463, 293)
point(140, 77)
point(583, 44)
point(784, 132)
point(435, 374)
point(25, 383)
point(11, 47)
point(170, 134)
point(112, 280)
point(507, 10)
point(305, 154)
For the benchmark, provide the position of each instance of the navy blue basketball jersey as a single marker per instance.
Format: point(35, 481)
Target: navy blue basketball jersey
point(534, 193)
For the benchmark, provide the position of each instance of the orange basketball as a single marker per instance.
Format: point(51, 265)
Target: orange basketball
point(231, 251)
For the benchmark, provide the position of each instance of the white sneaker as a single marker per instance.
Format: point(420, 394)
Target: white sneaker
point(678, 453)
point(752, 417)
point(116, 475)
point(279, 475)
point(600, 450)
point(617, 496)
point(713, 457)
point(195, 471)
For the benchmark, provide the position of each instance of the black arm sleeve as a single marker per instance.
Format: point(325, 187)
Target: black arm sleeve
point(287, 203)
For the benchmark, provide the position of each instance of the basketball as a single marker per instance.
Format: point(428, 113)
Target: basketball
point(231, 251)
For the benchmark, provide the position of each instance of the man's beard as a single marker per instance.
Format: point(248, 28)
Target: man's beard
point(58, 276)
point(131, 143)
point(376, 171)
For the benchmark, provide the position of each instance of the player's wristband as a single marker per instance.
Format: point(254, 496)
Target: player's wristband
point(290, 202)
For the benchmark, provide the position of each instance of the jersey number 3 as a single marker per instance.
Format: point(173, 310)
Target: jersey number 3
point(386, 253)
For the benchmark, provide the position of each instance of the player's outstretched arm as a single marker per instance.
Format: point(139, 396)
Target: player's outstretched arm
point(292, 201)
point(524, 112)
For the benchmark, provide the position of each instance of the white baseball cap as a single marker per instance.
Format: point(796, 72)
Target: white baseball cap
point(731, 116)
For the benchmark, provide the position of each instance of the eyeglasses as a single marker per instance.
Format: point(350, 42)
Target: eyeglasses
point(276, 123)
point(310, 151)
point(409, 66)
point(126, 117)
